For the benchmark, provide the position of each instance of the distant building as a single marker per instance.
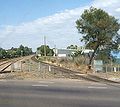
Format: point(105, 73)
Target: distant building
point(69, 52)
point(64, 52)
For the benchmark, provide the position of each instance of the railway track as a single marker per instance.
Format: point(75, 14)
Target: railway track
point(78, 75)
point(4, 65)
point(5, 62)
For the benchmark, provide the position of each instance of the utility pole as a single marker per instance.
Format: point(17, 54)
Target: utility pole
point(44, 46)
point(55, 50)
point(56, 56)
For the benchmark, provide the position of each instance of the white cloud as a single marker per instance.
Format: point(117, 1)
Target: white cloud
point(111, 6)
point(105, 3)
point(118, 10)
point(59, 28)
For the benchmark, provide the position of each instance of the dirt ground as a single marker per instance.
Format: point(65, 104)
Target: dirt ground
point(30, 71)
point(27, 69)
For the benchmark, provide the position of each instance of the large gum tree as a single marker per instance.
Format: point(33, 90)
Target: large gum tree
point(99, 29)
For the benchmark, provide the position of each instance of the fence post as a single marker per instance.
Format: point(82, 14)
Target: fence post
point(106, 71)
point(39, 67)
point(29, 66)
point(114, 69)
point(118, 67)
point(12, 67)
point(21, 66)
point(49, 68)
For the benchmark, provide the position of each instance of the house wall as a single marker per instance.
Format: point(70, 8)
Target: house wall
point(62, 55)
point(63, 52)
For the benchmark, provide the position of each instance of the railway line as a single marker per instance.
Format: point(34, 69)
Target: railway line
point(78, 75)
point(57, 69)
point(5, 64)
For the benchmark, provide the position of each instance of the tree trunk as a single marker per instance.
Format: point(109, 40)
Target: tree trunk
point(91, 57)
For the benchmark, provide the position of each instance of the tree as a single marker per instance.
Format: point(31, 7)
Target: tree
point(76, 54)
point(42, 48)
point(15, 52)
point(27, 50)
point(51, 52)
point(72, 47)
point(100, 30)
point(24, 50)
point(105, 55)
point(2, 53)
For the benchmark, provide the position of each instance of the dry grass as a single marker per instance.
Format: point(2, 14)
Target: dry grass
point(78, 64)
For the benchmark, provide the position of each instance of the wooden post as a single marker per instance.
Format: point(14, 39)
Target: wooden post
point(21, 66)
point(39, 67)
point(12, 67)
point(29, 67)
point(49, 68)
point(106, 72)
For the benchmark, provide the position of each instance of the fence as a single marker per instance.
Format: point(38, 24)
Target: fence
point(37, 67)
point(107, 68)
point(43, 70)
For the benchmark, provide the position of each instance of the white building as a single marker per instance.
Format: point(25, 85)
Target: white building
point(63, 52)
point(69, 52)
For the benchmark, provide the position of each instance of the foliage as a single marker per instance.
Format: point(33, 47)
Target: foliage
point(72, 47)
point(100, 31)
point(105, 55)
point(3, 53)
point(15, 52)
point(77, 53)
point(45, 49)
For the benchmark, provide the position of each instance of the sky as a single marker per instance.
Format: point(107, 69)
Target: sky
point(28, 21)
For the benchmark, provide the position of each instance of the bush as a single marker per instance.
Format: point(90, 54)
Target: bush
point(53, 60)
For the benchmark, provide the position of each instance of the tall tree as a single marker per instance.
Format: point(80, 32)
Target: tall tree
point(100, 30)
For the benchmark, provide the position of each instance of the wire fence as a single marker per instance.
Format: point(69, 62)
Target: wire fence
point(107, 68)
point(37, 67)
point(42, 69)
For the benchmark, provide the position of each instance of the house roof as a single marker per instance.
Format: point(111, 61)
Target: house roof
point(65, 51)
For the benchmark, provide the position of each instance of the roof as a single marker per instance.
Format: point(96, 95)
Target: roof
point(65, 51)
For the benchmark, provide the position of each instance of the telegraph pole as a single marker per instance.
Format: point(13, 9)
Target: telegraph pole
point(55, 50)
point(44, 46)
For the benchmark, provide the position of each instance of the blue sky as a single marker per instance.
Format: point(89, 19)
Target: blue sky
point(28, 21)
point(17, 11)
